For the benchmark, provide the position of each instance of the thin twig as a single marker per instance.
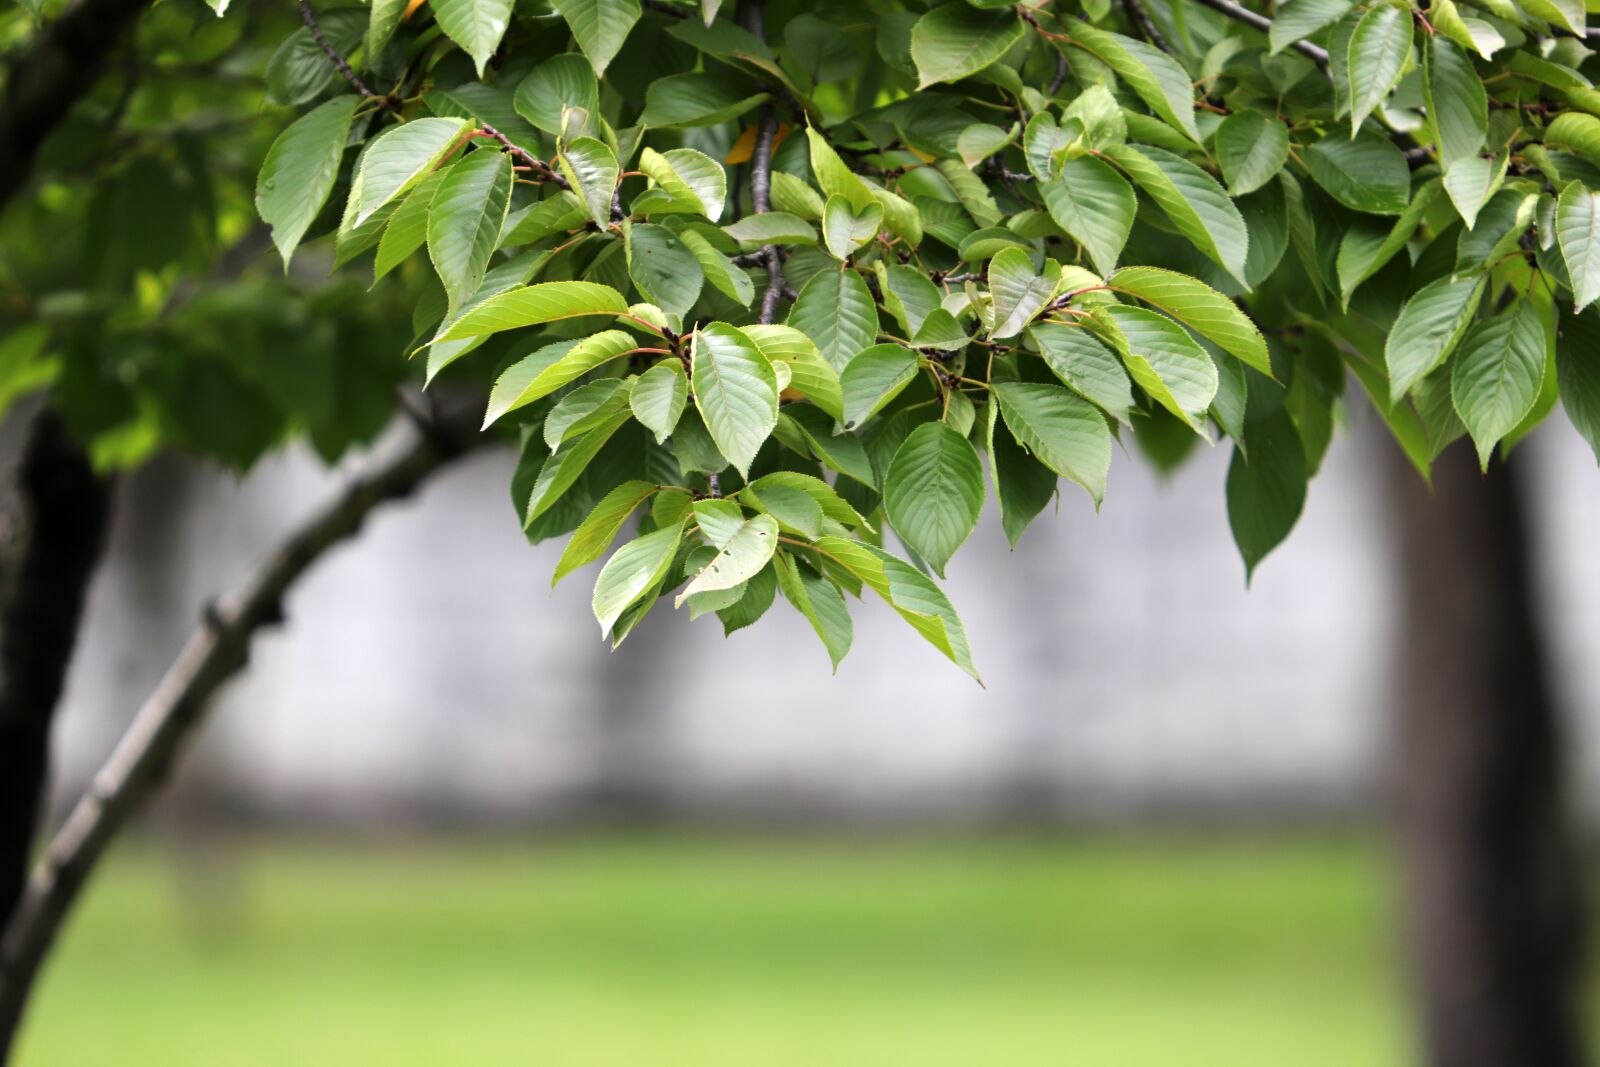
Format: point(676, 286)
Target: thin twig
point(1060, 75)
point(1141, 18)
point(215, 652)
point(544, 171)
point(1317, 55)
point(335, 58)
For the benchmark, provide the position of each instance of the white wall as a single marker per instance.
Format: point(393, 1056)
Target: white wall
point(429, 669)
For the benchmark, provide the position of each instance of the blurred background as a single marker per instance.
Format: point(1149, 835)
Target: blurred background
point(438, 821)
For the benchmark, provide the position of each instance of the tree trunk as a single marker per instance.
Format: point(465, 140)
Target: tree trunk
point(57, 532)
point(1493, 890)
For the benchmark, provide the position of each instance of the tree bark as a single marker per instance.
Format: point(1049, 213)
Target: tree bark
point(216, 651)
point(1493, 891)
point(58, 518)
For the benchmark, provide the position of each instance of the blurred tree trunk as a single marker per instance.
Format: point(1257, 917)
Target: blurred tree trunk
point(56, 532)
point(1494, 887)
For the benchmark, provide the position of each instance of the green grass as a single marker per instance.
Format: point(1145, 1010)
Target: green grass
point(718, 952)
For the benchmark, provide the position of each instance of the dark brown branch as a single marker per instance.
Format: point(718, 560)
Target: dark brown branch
point(1141, 18)
point(59, 69)
point(334, 57)
point(215, 652)
point(56, 533)
point(543, 171)
point(1317, 55)
point(761, 201)
point(1060, 76)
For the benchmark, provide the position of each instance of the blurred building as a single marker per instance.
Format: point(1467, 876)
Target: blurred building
point(428, 673)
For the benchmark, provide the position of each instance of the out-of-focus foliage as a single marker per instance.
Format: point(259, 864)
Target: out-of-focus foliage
point(132, 279)
point(759, 282)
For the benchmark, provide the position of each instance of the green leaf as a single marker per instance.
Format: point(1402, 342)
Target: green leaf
point(1378, 51)
point(585, 408)
point(475, 25)
point(299, 172)
point(909, 592)
point(1471, 182)
point(791, 195)
point(1101, 116)
point(464, 221)
point(659, 397)
point(397, 159)
point(595, 534)
point(1023, 487)
point(1578, 373)
point(687, 101)
point(1578, 231)
point(1252, 148)
point(635, 568)
point(1199, 307)
point(662, 269)
point(590, 167)
point(771, 228)
point(1564, 13)
point(1428, 330)
point(1193, 200)
point(1497, 375)
point(846, 230)
point(1158, 79)
point(599, 26)
point(1164, 361)
point(776, 494)
point(727, 278)
point(759, 592)
point(820, 602)
point(745, 553)
point(550, 367)
point(843, 453)
point(531, 305)
point(384, 21)
point(299, 70)
point(1266, 486)
point(933, 492)
point(689, 177)
point(835, 309)
point(1456, 101)
point(1019, 293)
point(562, 213)
point(1368, 174)
point(564, 468)
point(793, 508)
point(1088, 366)
point(1095, 205)
point(550, 89)
point(1577, 133)
point(810, 374)
point(1299, 19)
point(1061, 429)
point(1368, 245)
point(873, 378)
point(735, 390)
point(407, 229)
point(952, 42)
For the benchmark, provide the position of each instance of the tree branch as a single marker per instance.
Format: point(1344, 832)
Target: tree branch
point(55, 537)
point(1141, 18)
point(215, 652)
point(761, 201)
point(334, 57)
point(1317, 55)
point(59, 70)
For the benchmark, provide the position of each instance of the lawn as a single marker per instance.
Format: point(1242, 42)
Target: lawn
point(675, 950)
